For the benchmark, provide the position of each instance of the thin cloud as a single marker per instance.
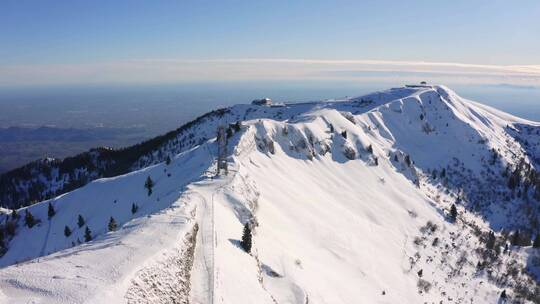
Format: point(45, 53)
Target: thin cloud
point(532, 69)
point(178, 70)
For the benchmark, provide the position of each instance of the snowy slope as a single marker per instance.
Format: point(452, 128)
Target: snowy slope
point(348, 202)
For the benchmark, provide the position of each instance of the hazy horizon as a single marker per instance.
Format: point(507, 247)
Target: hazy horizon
point(119, 116)
point(123, 71)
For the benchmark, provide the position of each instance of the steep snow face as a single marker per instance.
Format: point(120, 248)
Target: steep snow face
point(333, 226)
point(348, 202)
point(470, 149)
point(329, 230)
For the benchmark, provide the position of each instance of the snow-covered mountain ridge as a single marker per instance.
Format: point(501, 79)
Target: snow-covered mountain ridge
point(348, 201)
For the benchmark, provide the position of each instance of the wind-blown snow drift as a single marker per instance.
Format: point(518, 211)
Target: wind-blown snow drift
point(347, 201)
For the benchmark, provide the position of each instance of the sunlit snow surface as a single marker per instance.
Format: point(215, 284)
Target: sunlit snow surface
point(329, 228)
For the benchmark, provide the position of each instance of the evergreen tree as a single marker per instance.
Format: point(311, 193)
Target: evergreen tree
point(11, 227)
point(237, 126)
point(2, 234)
point(230, 132)
point(29, 219)
point(3, 247)
point(134, 208)
point(67, 231)
point(370, 149)
point(515, 238)
point(443, 172)
point(453, 213)
point(408, 160)
point(536, 243)
point(168, 160)
point(344, 134)
point(87, 234)
point(80, 221)
point(50, 211)
point(490, 243)
point(246, 238)
point(112, 224)
point(512, 182)
point(149, 184)
point(14, 215)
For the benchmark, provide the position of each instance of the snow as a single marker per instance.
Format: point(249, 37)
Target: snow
point(102, 269)
point(328, 227)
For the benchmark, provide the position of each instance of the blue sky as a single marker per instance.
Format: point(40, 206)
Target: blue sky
point(108, 41)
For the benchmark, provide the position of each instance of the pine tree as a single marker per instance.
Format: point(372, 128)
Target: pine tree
point(14, 215)
point(344, 134)
point(87, 234)
point(148, 185)
point(512, 182)
point(408, 160)
point(11, 227)
point(490, 243)
point(134, 208)
point(67, 231)
point(515, 238)
point(112, 224)
point(536, 243)
point(80, 221)
point(29, 219)
point(246, 238)
point(370, 149)
point(453, 213)
point(237, 126)
point(168, 160)
point(50, 211)
point(230, 132)
point(3, 247)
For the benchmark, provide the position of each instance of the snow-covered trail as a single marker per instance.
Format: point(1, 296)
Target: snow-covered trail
point(205, 272)
point(46, 239)
point(202, 286)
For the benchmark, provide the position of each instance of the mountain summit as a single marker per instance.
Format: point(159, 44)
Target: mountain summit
point(409, 195)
